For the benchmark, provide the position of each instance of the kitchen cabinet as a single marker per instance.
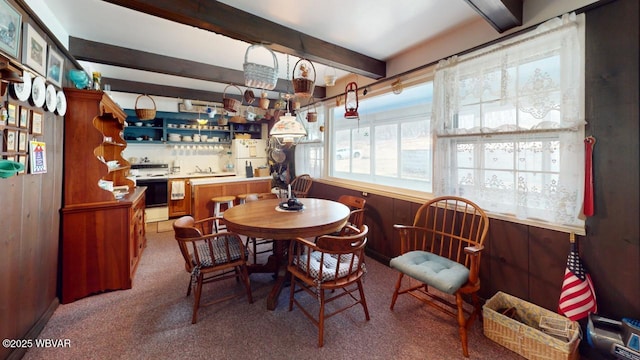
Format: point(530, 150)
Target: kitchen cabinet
point(202, 206)
point(102, 237)
point(158, 130)
point(182, 206)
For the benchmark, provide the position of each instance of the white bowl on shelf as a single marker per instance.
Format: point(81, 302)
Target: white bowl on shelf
point(139, 123)
point(139, 138)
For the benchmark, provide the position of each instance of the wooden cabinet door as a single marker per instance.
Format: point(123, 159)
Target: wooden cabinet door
point(182, 206)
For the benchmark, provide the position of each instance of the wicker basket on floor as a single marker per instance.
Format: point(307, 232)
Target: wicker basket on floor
point(524, 337)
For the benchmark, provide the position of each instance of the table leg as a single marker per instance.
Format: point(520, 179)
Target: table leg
point(276, 264)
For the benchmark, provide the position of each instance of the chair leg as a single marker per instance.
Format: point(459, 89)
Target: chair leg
point(395, 293)
point(321, 319)
point(196, 301)
point(189, 286)
point(245, 278)
point(292, 291)
point(462, 326)
point(363, 301)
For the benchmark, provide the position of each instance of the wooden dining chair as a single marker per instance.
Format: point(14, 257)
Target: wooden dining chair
point(356, 205)
point(210, 257)
point(442, 250)
point(258, 246)
point(301, 185)
point(323, 268)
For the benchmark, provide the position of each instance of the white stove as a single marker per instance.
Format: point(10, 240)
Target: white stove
point(155, 177)
point(146, 171)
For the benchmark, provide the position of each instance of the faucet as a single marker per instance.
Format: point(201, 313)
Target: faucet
point(198, 169)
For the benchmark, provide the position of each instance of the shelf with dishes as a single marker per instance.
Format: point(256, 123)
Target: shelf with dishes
point(175, 128)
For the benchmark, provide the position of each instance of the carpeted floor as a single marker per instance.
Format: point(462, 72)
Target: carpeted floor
point(153, 321)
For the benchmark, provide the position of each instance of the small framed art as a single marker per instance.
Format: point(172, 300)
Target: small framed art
point(55, 66)
point(10, 140)
point(22, 159)
point(12, 114)
point(35, 50)
point(36, 123)
point(22, 141)
point(38, 155)
point(24, 118)
point(10, 23)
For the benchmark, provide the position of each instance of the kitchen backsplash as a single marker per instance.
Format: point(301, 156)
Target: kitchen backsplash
point(187, 158)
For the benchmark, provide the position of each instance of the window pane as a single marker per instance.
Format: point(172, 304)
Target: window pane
point(390, 145)
point(386, 150)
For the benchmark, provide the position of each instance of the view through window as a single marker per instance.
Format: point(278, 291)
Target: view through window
point(391, 142)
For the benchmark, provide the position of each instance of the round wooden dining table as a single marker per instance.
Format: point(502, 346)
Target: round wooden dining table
point(265, 219)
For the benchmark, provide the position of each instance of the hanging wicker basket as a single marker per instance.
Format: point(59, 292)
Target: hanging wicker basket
point(230, 104)
point(145, 114)
point(303, 84)
point(312, 114)
point(260, 76)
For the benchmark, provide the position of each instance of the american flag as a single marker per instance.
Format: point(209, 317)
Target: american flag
point(578, 298)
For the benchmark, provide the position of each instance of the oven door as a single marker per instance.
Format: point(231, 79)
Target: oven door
point(157, 191)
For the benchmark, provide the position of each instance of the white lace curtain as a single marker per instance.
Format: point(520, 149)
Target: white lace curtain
point(509, 124)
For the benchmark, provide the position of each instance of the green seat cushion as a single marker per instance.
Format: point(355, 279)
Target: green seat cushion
point(434, 270)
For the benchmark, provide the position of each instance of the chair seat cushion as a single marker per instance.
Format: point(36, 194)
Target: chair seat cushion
point(434, 270)
point(219, 251)
point(329, 266)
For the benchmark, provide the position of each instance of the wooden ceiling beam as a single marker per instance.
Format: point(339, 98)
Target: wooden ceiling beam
point(231, 22)
point(501, 14)
point(136, 87)
point(101, 53)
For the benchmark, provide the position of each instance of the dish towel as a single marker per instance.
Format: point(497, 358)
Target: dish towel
point(177, 190)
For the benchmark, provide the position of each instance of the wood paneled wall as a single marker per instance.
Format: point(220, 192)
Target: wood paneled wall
point(29, 228)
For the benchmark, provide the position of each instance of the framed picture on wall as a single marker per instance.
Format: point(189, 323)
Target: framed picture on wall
point(22, 159)
point(10, 140)
point(12, 114)
point(10, 23)
point(35, 50)
point(22, 141)
point(38, 157)
point(55, 66)
point(36, 123)
point(24, 117)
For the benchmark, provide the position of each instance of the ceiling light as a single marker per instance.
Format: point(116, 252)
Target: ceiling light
point(287, 130)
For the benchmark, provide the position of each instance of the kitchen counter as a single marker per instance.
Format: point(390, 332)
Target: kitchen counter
point(198, 179)
point(203, 189)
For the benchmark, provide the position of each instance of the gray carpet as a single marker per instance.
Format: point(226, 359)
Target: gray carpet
point(153, 321)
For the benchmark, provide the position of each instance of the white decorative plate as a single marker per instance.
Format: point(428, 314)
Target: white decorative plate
point(22, 91)
point(61, 107)
point(50, 98)
point(38, 91)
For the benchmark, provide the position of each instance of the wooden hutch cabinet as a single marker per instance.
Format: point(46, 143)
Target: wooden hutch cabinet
point(102, 237)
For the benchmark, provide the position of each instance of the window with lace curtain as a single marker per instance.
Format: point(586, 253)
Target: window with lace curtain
point(509, 125)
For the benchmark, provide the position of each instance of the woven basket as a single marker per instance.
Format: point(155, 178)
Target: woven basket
point(145, 114)
point(524, 337)
point(230, 104)
point(260, 76)
point(303, 86)
point(312, 113)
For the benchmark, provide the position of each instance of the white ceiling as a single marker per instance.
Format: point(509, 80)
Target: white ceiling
point(380, 29)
